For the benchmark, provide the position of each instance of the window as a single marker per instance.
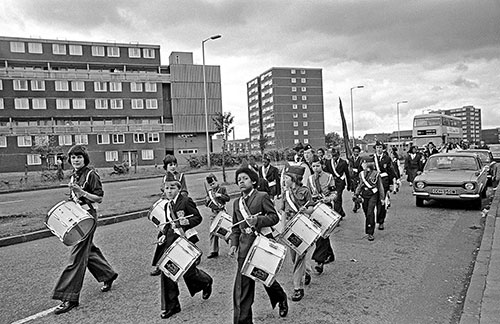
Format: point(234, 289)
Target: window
point(139, 138)
point(135, 87)
point(3, 141)
point(65, 140)
point(1, 85)
point(188, 151)
point(20, 85)
point(24, 141)
point(148, 53)
point(1, 103)
point(294, 80)
point(303, 89)
point(294, 106)
point(294, 89)
point(295, 115)
point(151, 104)
point(293, 71)
point(38, 85)
point(39, 103)
point(62, 103)
point(306, 132)
point(102, 138)
point(302, 80)
point(111, 156)
point(113, 51)
point(116, 103)
point(115, 86)
point(137, 104)
point(296, 141)
point(304, 106)
point(150, 87)
point(79, 104)
point(61, 85)
point(305, 124)
point(97, 50)
point(101, 104)
point(306, 141)
point(295, 124)
point(33, 159)
point(296, 132)
point(118, 139)
point(17, 47)
point(78, 85)
point(304, 97)
point(100, 86)
point(147, 154)
point(35, 48)
point(59, 49)
point(21, 103)
point(81, 139)
point(134, 52)
point(302, 71)
point(304, 115)
point(153, 137)
point(75, 50)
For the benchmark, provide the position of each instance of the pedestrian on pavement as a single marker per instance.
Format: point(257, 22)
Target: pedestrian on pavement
point(86, 190)
point(170, 167)
point(177, 208)
point(413, 164)
point(355, 169)
point(383, 164)
point(258, 211)
point(216, 200)
point(371, 191)
point(339, 168)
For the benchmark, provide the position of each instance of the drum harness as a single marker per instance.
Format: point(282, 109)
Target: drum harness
point(88, 205)
point(172, 217)
point(245, 212)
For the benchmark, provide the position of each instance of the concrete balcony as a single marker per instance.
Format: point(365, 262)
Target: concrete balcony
point(84, 129)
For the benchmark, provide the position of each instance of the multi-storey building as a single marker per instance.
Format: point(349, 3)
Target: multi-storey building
point(471, 121)
point(285, 107)
point(238, 146)
point(117, 99)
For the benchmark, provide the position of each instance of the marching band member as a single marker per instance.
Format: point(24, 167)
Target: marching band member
point(216, 200)
point(371, 190)
point(383, 164)
point(258, 211)
point(355, 168)
point(296, 197)
point(170, 166)
point(85, 189)
point(272, 175)
point(322, 187)
point(176, 209)
point(340, 170)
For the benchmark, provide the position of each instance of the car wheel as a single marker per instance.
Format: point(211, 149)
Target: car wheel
point(477, 204)
point(419, 202)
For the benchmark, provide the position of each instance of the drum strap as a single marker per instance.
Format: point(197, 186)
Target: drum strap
point(367, 183)
point(245, 212)
point(289, 200)
point(173, 217)
point(334, 168)
point(212, 199)
point(73, 196)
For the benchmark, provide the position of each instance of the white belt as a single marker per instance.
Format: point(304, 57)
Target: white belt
point(384, 174)
point(355, 170)
point(272, 183)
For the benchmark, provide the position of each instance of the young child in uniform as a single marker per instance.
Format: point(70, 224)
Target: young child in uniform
point(258, 210)
point(182, 211)
point(216, 200)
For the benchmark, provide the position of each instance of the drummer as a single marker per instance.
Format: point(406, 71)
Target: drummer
point(86, 190)
point(216, 200)
point(177, 209)
point(322, 186)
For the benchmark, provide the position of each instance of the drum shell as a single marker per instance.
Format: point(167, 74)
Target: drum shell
point(178, 258)
point(69, 222)
point(325, 218)
point(156, 213)
point(300, 233)
point(264, 260)
point(221, 226)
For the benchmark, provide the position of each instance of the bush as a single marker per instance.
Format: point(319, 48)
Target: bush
point(231, 160)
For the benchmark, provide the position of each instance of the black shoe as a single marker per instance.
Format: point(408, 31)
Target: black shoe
point(171, 312)
point(307, 279)
point(297, 294)
point(370, 237)
point(107, 284)
point(319, 268)
point(283, 306)
point(213, 255)
point(381, 227)
point(155, 272)
point(207, 291)
point(65, 307)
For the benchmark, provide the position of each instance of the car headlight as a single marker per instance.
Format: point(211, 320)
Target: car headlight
point(469, 186)
point(420, 185)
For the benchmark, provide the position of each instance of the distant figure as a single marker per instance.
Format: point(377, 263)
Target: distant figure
point(272, 175)
point(413, 164)
point(60, 173)
point(483, 146)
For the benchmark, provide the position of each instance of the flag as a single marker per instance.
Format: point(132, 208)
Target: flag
point(345, 133)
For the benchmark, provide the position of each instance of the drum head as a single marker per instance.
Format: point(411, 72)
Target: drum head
point(79, 232)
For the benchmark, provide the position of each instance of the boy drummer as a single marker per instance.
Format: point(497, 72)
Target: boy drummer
point(216, 200)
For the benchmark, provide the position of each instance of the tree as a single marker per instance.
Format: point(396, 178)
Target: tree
point(46, 147)
point(223, 124)
point(333, 139)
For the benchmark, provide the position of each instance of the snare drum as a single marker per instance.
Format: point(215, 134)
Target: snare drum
point(178, 258)
point(264, 260)
point(325, 218)
point(300, 233)
point(221, 225)
point(156, 213)
point(69, 222)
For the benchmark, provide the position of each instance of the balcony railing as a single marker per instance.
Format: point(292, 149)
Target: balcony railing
point(85, 129)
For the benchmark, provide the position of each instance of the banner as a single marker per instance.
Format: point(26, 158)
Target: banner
point(345, 133)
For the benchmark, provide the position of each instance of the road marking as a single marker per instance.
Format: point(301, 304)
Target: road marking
point(34, 317)
point(129, 187)
point(10, 202)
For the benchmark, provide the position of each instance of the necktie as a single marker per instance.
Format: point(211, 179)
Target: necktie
point(317, 184)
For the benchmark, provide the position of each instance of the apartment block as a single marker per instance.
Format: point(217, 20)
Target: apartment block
point(471, 121)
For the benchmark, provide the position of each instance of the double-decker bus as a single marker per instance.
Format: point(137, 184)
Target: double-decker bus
point(436, 128)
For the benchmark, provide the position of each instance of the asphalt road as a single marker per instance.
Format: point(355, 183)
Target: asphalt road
point(416, 271)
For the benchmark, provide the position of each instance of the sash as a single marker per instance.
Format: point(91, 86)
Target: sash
point(171, 216)
point(88, 205)
point(290, 201)
point(367, 184)
point(334, 166)
point(377, 165)
point(245, 212)
point(212, 199)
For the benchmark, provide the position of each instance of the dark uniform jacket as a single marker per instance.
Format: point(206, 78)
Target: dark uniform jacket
point(383, 164)
point(273, 179)
point(341, 173)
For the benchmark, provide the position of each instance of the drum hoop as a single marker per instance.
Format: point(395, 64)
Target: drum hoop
point(49, 213)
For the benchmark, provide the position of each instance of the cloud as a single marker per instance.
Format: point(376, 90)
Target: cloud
point(463, 82)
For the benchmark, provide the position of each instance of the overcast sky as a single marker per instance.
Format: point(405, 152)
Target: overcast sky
point(437, 54)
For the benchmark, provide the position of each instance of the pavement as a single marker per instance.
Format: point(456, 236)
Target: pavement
point(482, 301)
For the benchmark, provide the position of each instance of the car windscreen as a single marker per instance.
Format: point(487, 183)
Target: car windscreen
point(451, 162)
point(495, 149)
point(483, 156)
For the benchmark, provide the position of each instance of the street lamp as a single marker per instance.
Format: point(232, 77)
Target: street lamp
point(352, 116)
point(399, 132)
point(205, 94)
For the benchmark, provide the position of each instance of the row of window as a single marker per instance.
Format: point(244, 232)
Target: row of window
point(63, 103)
point(79, 86)
point(294, 71)
point(110, 156)
point(77, 50)
point(295, 106)
point(304, 98)
point(302, 80)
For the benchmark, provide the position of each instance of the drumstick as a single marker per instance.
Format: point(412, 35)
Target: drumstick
point(244, 220)
point(171, 222)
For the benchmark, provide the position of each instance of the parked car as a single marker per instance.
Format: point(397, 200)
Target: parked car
point(495, 151)
point(452, 176)
point(486, 158)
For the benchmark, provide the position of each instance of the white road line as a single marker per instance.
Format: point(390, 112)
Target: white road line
point(10, 202)
point(34, 317)
point(128, 187)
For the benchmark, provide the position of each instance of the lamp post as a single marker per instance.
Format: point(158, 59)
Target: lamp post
point(399, 132)
point(352, 116)
point(205, 94)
